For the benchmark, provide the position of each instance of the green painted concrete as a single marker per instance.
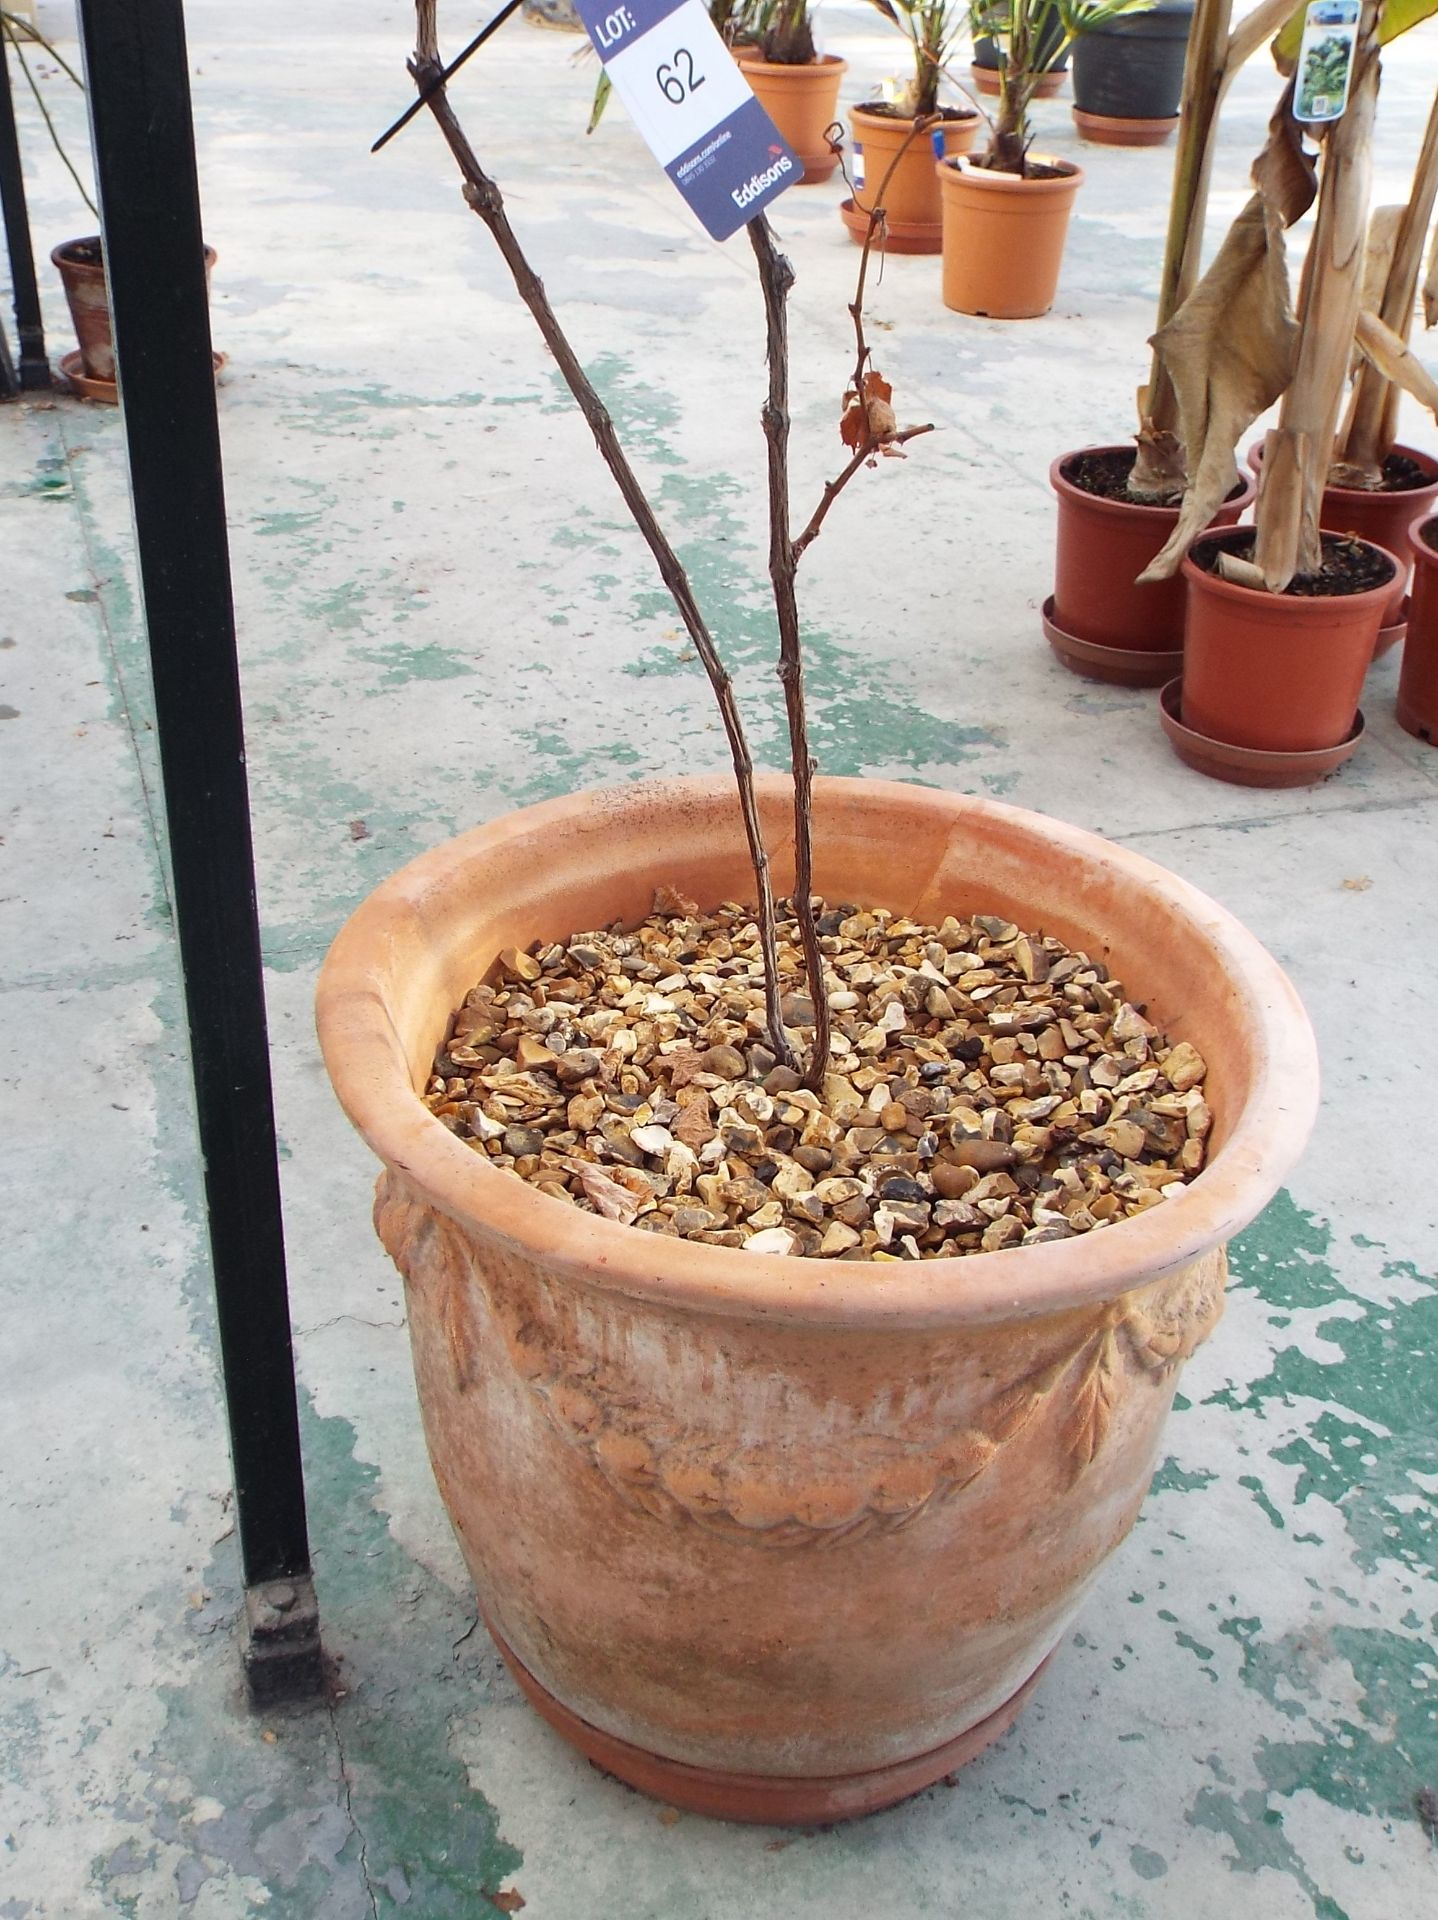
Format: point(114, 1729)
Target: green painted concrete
point(443, 614)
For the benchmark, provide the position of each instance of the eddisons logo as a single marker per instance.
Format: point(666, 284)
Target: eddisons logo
point(757, 182)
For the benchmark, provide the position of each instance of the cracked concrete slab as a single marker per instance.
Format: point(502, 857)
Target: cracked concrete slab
point(442, 614)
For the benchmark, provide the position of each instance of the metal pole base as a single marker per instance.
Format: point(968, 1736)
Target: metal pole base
point(282, 1656)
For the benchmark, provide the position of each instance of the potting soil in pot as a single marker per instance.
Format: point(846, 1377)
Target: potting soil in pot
point(1349, 566)
point(987, 1088)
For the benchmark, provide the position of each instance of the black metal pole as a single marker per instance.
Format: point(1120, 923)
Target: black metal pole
point(34, 368)
point(137, 76)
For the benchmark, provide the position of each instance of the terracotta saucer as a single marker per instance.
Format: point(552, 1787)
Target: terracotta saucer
point(1391, 637)
point(84, 387)
point(1109, 131)
point(769, 1799)
point(1117, 665)
point(1249, 766)
point(894, 236)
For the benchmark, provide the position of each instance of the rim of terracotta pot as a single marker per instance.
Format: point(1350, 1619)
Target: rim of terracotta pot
point(747, 58)
point(1238, 594)
point(1428, 461)
point(1070, 490)
point(952, 117)
point(964, 167)
point(60, 256)
point(1424, 554)
point(371, 1076)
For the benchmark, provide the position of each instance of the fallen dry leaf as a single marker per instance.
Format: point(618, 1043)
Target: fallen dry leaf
point(1359, 884)
point(510, 1901)
point(669, 1816)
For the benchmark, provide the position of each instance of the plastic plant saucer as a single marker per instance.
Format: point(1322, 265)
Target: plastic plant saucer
point(1108, 130)
point(85, 387)
point(1119, 667)
point(894, 236)
point(1394, 636)
point(1249, 766)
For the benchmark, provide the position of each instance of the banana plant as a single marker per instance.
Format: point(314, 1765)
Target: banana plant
point(1019, 28)
point(1237, 344)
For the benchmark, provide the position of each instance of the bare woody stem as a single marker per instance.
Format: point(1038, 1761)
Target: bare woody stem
point(483, 196)
point(776, 277)
point(1367, 436)
point(1204, 78)
point(833, 488)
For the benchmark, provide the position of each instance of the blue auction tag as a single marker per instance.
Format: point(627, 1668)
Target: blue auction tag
point(696, 111)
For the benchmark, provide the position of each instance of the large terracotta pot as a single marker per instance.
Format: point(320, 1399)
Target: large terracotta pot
point(1275, 671)
point(785, 1538)
point(911, 198)
point(1418, 681)
point(1383, 518)
point(1004, 238)
point(1102, 547)
point(802, 102)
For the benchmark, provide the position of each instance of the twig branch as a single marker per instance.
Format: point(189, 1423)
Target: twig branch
point(483, 196)
point(776, 277)
point(833, 488)
point(11, 22)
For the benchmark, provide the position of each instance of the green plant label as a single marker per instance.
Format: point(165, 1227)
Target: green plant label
point(1325, 59)
point(696, 111)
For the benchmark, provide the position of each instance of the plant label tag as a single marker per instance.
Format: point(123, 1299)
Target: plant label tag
point(693, 106)
point(1325, 59)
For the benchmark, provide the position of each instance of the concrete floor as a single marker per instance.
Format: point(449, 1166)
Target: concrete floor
point(442, 615)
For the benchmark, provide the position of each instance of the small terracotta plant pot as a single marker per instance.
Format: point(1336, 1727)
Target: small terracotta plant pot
point(788, 1539)
point(1004, 237)
point(82, 274)
point(1418, 681)
point(1102, 547)
point(911, 199)
point(802, 102)
point(1277, 671)
point(1383, 518)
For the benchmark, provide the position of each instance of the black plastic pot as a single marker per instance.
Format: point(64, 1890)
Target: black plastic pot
point(986, 50)
point(1132, 68)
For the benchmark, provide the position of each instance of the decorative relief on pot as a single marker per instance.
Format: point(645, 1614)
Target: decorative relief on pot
point(867, 1483)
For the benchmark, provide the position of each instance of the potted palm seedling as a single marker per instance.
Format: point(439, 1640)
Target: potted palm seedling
point(1006, 211)
point(798, 85)
point(758, 1250)
point(896, 141)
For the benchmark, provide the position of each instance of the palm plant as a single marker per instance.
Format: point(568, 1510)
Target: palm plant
point(933, 29)
point(1031, 36)
point(781, 30)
